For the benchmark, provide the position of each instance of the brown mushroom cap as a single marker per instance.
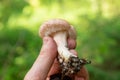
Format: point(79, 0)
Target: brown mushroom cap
point(72, 33)
point(51, 27)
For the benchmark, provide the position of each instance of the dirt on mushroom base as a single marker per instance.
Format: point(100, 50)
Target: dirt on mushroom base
point(59, 30)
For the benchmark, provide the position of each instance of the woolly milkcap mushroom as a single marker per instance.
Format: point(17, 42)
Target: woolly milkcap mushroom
point(60, 30)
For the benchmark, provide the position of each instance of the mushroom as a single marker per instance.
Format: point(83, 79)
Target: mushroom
point(60, 30)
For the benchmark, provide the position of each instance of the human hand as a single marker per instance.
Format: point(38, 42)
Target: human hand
point(46, 63)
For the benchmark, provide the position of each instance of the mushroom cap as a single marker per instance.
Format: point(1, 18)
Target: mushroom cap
point(53, 26)
point(72, 33)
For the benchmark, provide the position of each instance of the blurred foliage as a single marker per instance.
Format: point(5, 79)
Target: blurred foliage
point(97, 23)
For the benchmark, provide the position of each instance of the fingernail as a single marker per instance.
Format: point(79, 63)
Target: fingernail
point(45, 40)
point(71, 44)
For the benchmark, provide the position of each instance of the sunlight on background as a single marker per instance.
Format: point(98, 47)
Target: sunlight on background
point(98, 34)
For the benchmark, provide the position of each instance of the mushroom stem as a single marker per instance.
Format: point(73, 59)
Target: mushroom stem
point(60, 30)
point(61, 41)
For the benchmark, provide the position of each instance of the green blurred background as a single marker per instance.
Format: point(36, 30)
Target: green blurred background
point(97, 23)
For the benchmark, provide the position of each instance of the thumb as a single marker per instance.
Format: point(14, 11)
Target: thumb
point(44, 61)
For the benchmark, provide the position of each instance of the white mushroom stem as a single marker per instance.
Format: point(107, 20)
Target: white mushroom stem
point(61, 41)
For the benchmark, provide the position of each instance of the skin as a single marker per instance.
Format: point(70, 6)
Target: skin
point(46, 63)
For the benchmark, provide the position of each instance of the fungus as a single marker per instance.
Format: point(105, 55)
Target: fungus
point(60, 30)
